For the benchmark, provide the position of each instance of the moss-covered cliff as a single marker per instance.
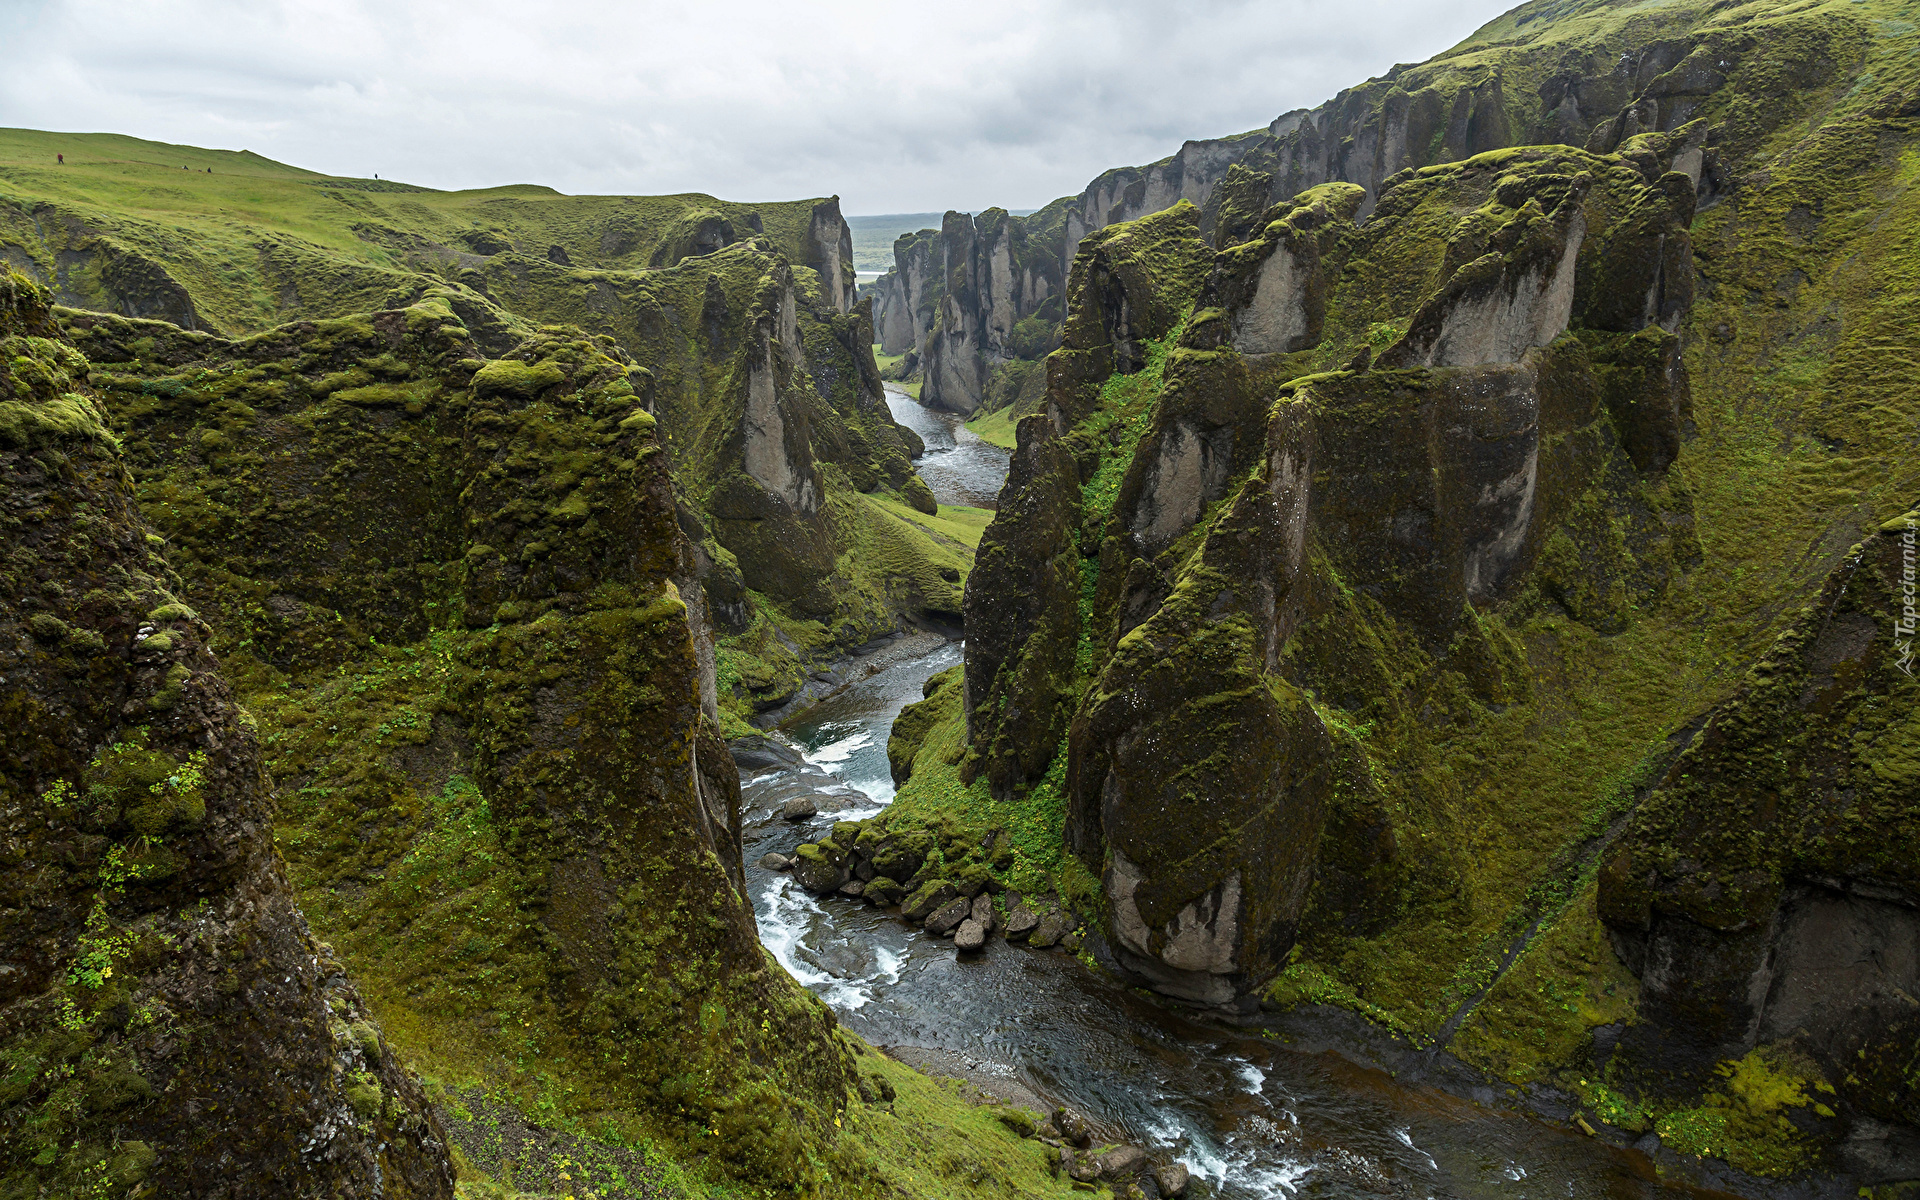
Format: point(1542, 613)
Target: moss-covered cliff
point(1411, 529)
point(168, 1025)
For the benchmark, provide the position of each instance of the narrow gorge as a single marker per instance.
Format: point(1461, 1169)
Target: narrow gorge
point(1373, 655)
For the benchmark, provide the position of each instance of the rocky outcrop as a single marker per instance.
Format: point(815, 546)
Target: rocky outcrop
point(1274, 283)
point(1200, 772)
point(163, 1007)
point(1767, 894)
point(965, 299)
point(1019, 667)
point(829, 252)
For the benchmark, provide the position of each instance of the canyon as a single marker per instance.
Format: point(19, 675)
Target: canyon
point(1442, 645)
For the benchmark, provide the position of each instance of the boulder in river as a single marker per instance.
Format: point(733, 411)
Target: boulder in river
point(1052, 927)
point(1171, 1179)
point(776, 862)
point(948, 916)
point(799, 808)
point(818, 869)
point(971, 935)
point(1021, 922)
point(1072, 1126)
point(1121, 1162)
point(932, 894)
point(853, 888)
point(884, 892)
point(983, 912)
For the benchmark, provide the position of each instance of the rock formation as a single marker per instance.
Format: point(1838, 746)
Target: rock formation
point(513, 517)
point(1767, 895)
point(170, 1028)
point(1595, 89)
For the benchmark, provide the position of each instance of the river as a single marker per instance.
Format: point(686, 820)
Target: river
point(1257, 1118)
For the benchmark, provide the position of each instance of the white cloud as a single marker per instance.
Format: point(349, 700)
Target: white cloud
point(895, 107)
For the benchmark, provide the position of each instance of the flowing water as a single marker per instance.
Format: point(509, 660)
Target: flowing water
point(959, 466)
point(1256, 1118)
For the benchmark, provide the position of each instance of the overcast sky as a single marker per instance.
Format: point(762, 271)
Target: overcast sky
point(894, 107)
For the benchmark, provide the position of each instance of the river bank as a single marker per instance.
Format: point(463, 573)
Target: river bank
point(1308, 1103)
point(1312, 1102)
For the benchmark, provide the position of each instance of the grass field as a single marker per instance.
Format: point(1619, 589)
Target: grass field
point(995, 427)
point(246, 235)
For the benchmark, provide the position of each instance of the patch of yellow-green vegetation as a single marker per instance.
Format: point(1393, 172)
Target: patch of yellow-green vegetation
point(937, 1139)
point(1034, 821)
point(1542, 1011)
point(1303, 983)
point(996, 427)
point(1748, 1121)
point(897, 555)
point(1116, 425)
point(956, 521)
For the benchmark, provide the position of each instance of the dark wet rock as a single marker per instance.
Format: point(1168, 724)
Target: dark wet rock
point(853, 888)
point(1073, 1127)
point(1171, 1179)
point(776, 862)
point(948, 916)
point(930, 896)
point(800, 808)
point(884, 892)
point(1052, 927)
point(983, 912)
point(970, 935)
point(1070, 942)
point(1020, 923)
point(756, 753)
point(1121, 1162)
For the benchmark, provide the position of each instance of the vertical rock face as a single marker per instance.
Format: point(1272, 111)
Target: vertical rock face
point(1768, 894)
point(957, 298)
point(1020, 666)
point(1266, 490)
point(831, 243)
point(170, 1026)
point(1274, 283)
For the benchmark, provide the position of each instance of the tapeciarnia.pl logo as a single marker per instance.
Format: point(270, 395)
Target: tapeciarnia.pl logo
point(1903, 625)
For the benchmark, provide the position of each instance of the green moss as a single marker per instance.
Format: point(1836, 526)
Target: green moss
point(1749, 1124)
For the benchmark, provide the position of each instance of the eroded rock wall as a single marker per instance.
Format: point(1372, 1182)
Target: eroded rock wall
point(1271, 477)
point(1768, 894)
point(170, 1025)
